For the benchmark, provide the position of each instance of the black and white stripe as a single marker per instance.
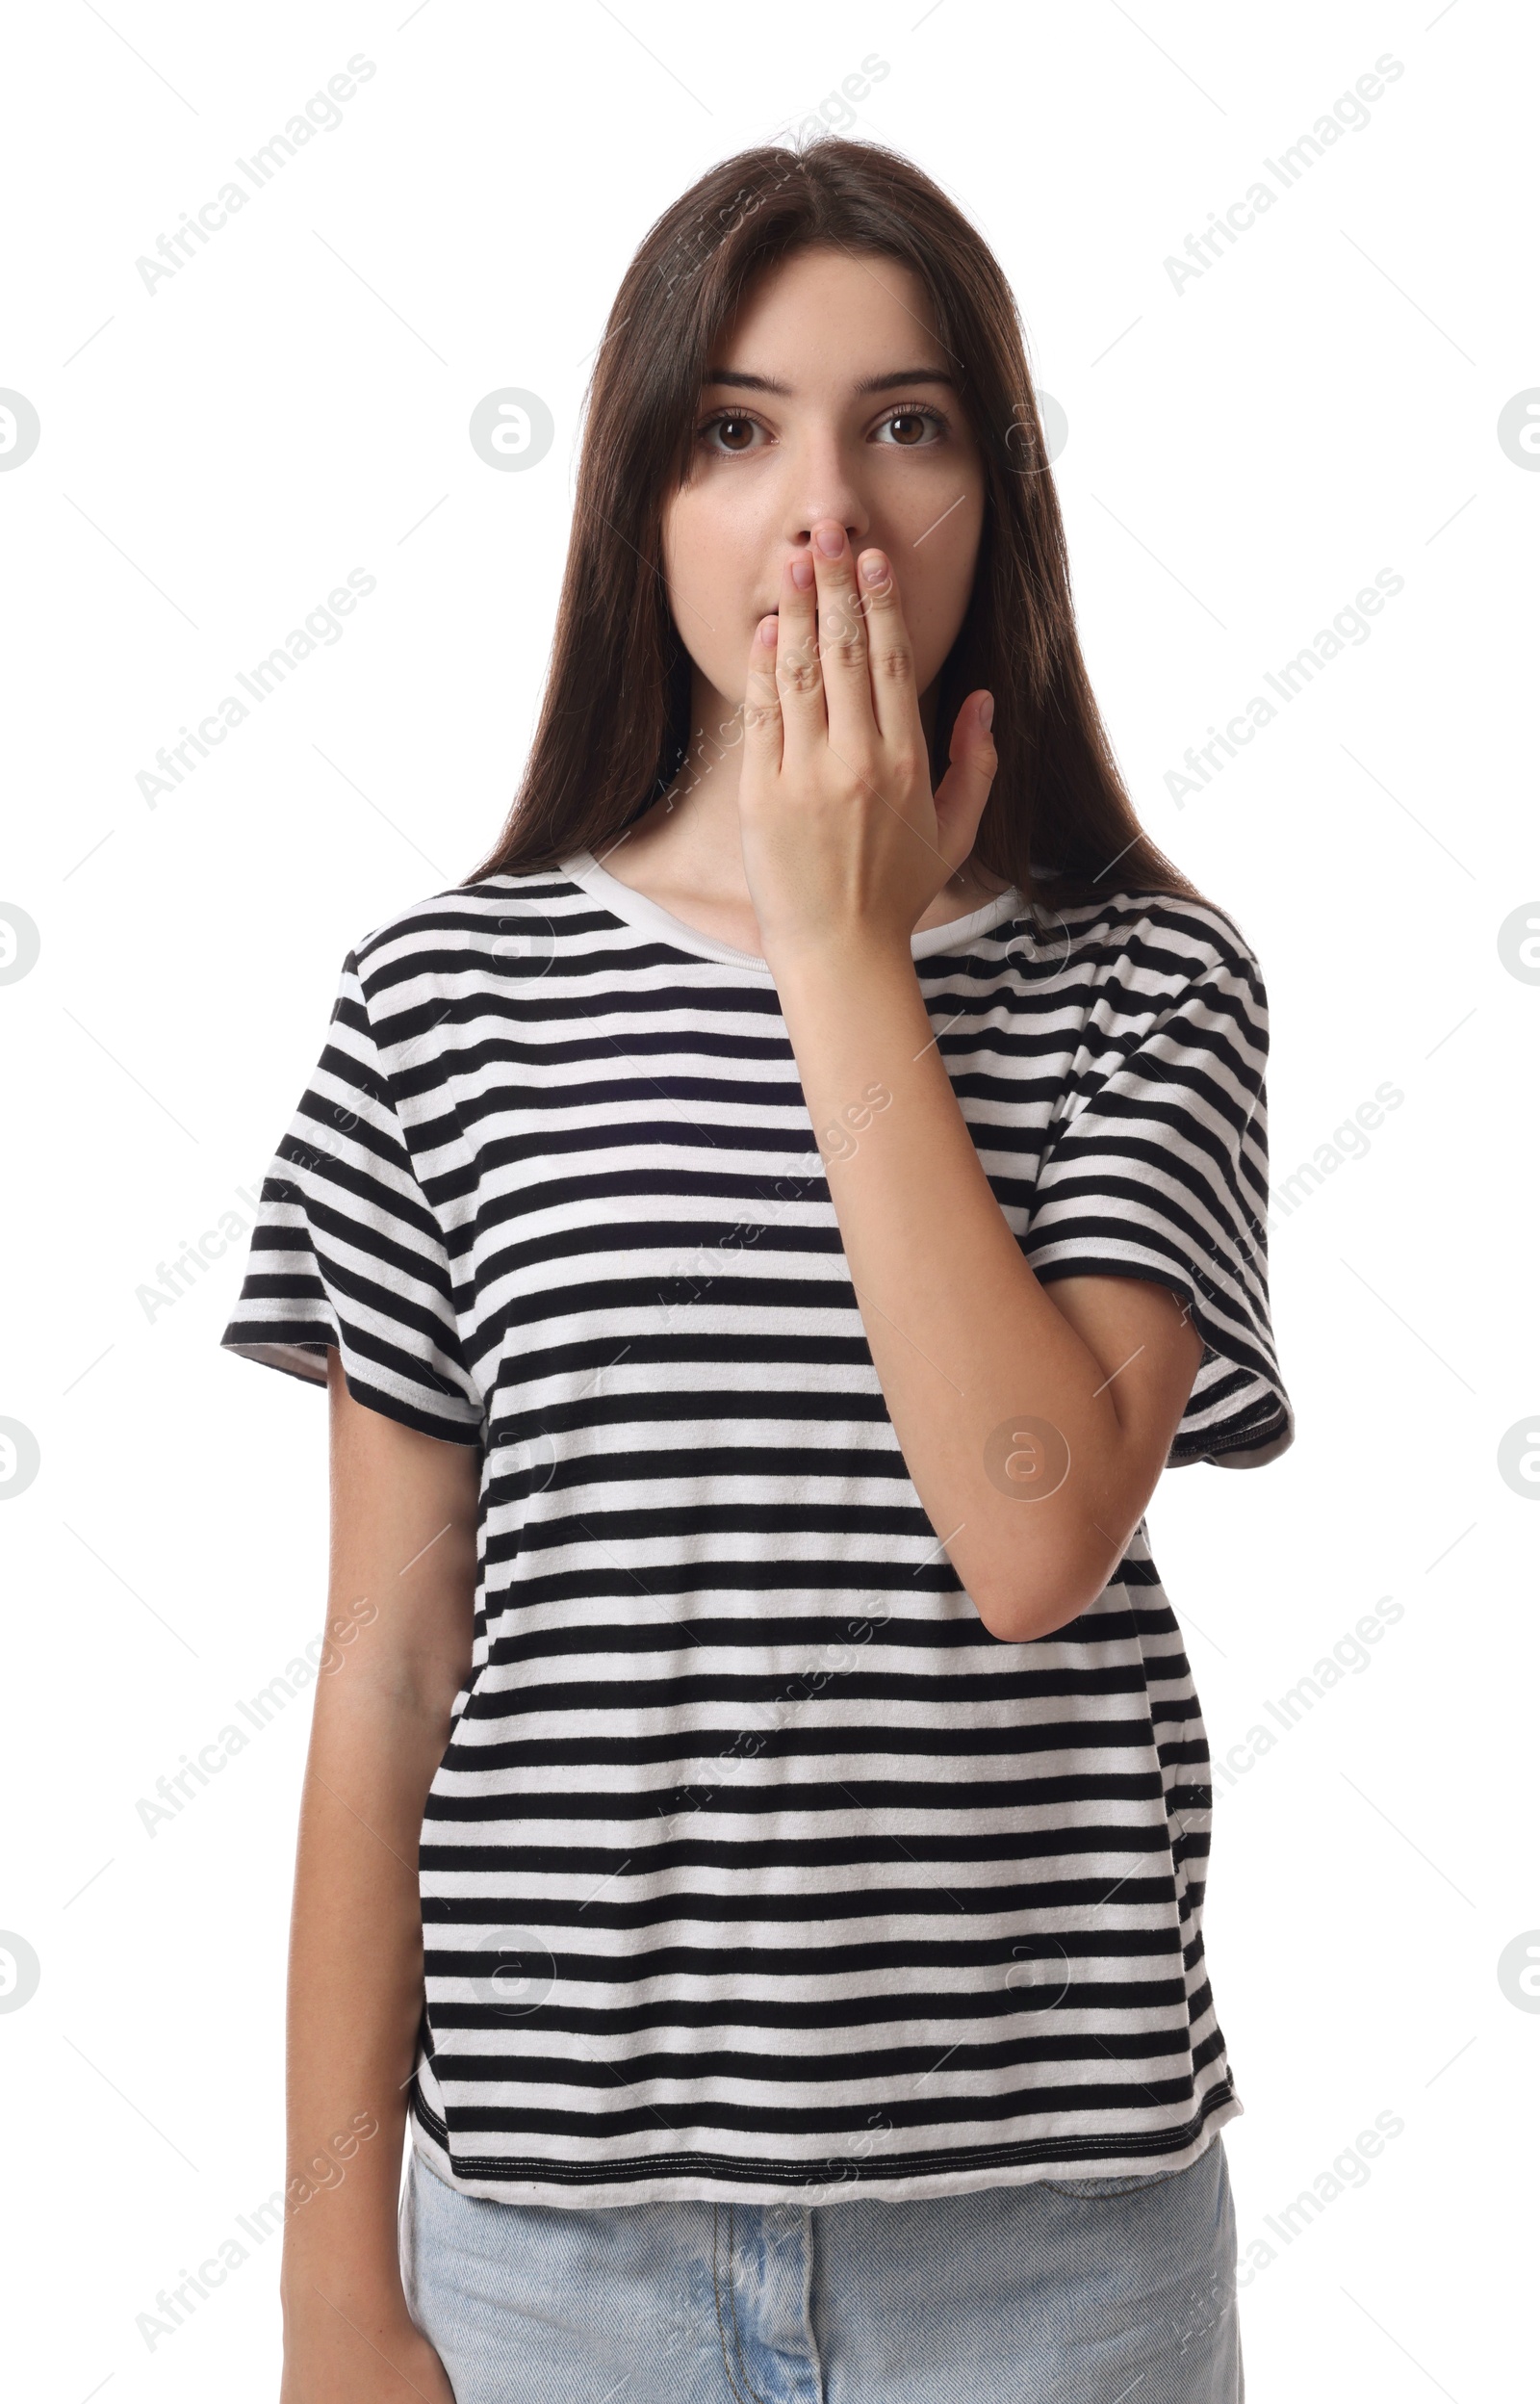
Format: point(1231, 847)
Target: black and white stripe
point(755, 1867)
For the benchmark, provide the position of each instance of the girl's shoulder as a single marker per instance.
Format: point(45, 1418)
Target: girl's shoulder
point(484, 922)
point(1168, 937)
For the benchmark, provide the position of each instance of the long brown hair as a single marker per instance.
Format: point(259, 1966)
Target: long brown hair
point(614, 725)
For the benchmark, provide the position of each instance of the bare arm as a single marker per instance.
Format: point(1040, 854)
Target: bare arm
point(1035, 1420)
point(402, 1579)
point(1034, 1423)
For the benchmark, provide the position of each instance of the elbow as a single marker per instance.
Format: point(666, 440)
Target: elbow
point(1019, 1606)
point(1021, 1618)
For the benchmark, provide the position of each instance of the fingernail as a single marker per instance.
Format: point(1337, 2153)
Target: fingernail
point(831, 540)
point(801, 571)
point(767, 629)
point(987, 711)
point(874, 567)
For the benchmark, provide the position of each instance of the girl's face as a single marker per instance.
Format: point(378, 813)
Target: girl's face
point(827, 396)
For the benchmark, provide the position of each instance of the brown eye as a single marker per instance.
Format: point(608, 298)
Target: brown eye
point(922, 427)
point(731, 429)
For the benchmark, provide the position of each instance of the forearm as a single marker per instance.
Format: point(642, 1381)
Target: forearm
point(963, 1337)
point(355, 1980)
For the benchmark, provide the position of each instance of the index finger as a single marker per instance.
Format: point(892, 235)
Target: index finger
point(890, 654)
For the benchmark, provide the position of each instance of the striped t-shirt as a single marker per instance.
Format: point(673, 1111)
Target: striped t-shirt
point(754, 1867)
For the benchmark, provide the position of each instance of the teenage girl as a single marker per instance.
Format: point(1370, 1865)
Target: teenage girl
point(763, 1237)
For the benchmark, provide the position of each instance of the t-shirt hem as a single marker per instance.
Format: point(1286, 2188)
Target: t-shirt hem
point(1249, 1436)
point(1030, 2161)
point(305, 1358)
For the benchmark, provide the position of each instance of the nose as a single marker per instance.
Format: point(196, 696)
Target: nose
point(810, 522)
point(822, 483)
point(854, 527)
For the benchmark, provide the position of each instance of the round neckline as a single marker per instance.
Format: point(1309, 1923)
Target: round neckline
point(650, 918)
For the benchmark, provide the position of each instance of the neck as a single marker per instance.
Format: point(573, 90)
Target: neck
point(684, 852)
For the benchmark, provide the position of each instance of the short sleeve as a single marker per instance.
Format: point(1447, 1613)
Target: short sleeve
point(1160, 1171)
point(347, 1251)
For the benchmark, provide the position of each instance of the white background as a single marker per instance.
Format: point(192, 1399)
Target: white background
point(1244, 454)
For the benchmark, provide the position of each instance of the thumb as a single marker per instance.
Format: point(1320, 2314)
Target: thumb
point(965, 788)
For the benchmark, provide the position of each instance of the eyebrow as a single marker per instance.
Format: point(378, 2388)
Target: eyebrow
point(741, 379)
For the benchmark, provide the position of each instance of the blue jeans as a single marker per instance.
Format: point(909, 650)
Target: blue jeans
point(1061, 2291)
